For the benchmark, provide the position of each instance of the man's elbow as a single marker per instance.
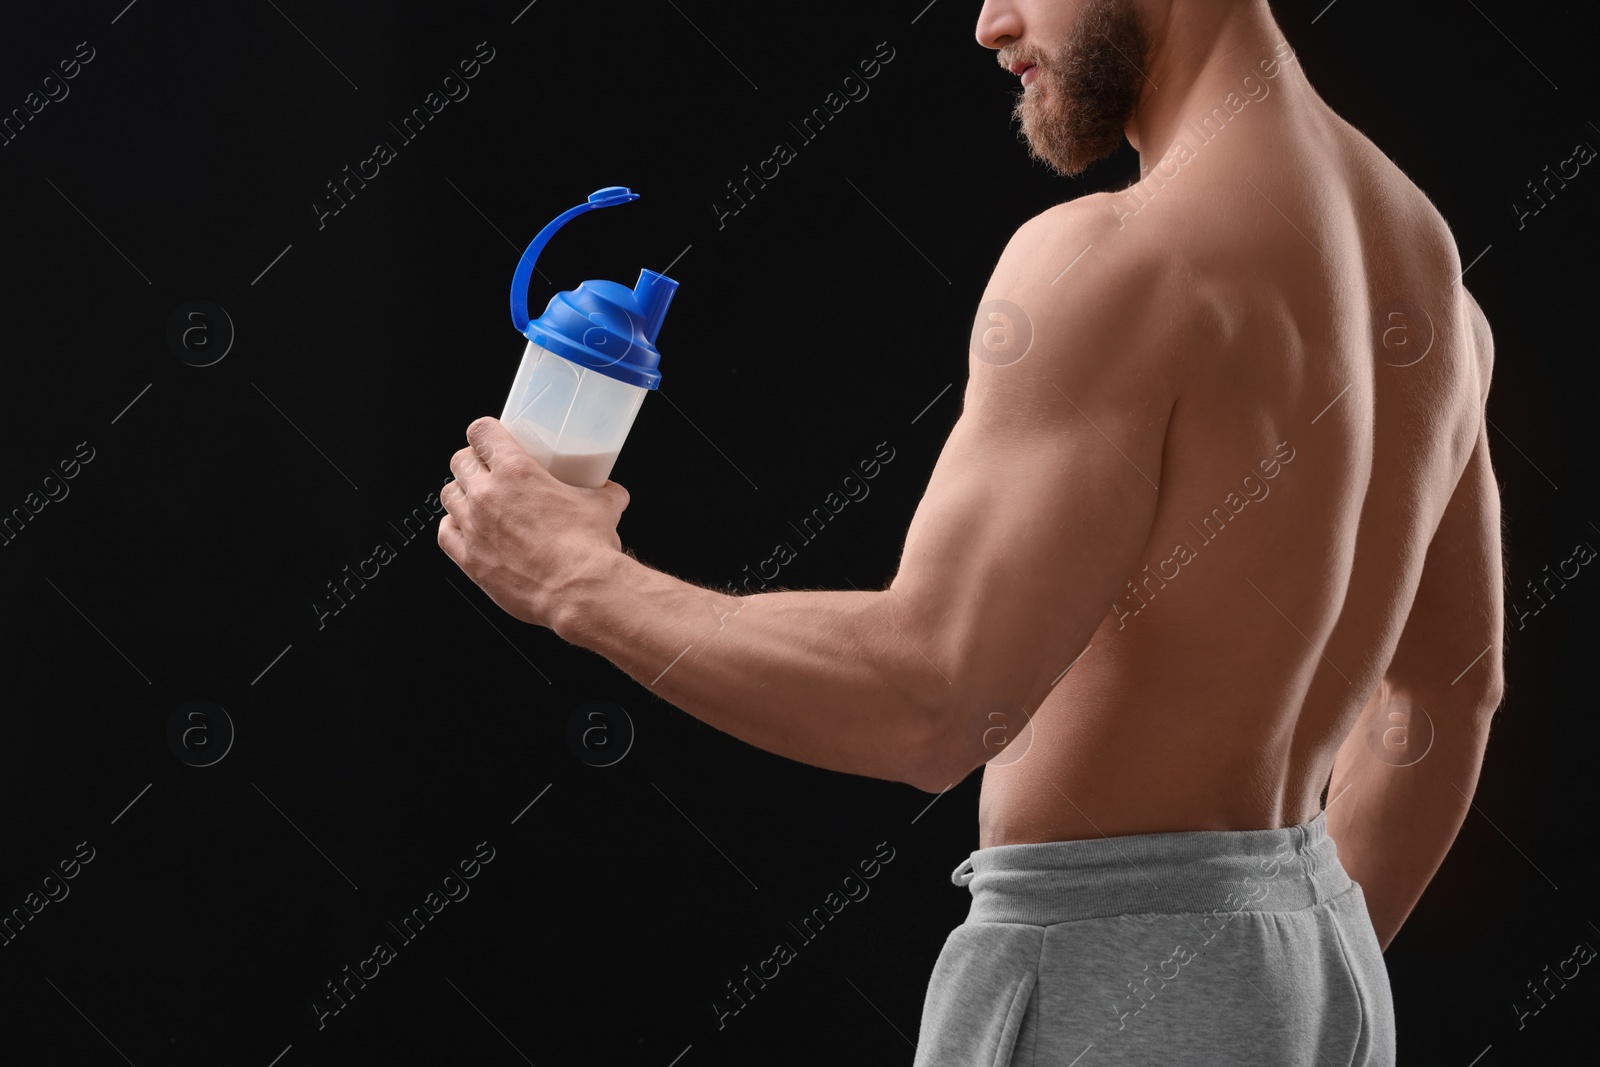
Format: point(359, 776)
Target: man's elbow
point(1493, 698)
point(943, 756)
point(1476, 707)
point(936, 779)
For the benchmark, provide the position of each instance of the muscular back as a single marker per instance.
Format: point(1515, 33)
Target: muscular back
point(1322, 427)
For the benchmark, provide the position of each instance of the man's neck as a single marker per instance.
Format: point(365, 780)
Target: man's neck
point(1201, 54)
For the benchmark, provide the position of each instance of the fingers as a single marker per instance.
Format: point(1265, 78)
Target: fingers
point(457, 506)
point(466, 465)
point(452, 497)
point(452, 540)
point(489, 438)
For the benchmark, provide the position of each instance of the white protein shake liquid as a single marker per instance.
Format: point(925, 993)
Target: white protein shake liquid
point(587, 469)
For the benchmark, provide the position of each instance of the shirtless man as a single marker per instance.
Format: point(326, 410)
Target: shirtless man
point(1222, 452)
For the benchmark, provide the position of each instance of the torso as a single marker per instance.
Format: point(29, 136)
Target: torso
point(1220, 703)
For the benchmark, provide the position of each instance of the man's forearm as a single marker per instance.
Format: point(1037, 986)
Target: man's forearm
point(1392, 824)
point(829, 678)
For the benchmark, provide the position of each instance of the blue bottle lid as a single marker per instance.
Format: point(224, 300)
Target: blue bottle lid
point(601, 325)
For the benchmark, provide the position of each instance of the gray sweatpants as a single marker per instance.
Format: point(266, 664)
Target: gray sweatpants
point(1201, 947)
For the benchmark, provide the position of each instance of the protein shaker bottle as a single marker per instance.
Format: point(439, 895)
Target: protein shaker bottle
point(590, 359)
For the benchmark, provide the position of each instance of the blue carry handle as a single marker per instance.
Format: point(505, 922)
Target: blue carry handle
point(610, 195)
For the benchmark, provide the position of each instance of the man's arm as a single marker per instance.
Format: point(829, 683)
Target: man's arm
point(1394, 824)
point(830, 678)
point(1033, 517)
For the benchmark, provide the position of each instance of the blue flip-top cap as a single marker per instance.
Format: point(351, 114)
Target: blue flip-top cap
point(601, 325)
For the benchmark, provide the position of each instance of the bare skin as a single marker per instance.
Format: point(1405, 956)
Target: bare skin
point(1223, 702)
point(1233, 315)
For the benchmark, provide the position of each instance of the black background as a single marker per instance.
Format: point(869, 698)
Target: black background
point(820, 320)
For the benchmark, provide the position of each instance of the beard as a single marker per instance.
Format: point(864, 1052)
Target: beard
point(1077, 108)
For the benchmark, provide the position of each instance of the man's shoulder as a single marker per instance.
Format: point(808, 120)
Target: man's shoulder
point(1073, 263)
point(1083, 220)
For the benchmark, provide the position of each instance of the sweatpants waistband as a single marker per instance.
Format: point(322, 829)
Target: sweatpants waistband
point(1280, 869)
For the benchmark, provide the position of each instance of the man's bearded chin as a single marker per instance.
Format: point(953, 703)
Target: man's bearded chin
point(1078, 107)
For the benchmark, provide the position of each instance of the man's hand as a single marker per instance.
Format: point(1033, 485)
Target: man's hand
point(523, 535)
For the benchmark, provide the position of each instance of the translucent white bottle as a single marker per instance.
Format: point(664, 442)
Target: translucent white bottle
point(591, 357)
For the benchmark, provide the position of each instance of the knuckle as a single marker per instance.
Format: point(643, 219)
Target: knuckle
point(487, 500)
